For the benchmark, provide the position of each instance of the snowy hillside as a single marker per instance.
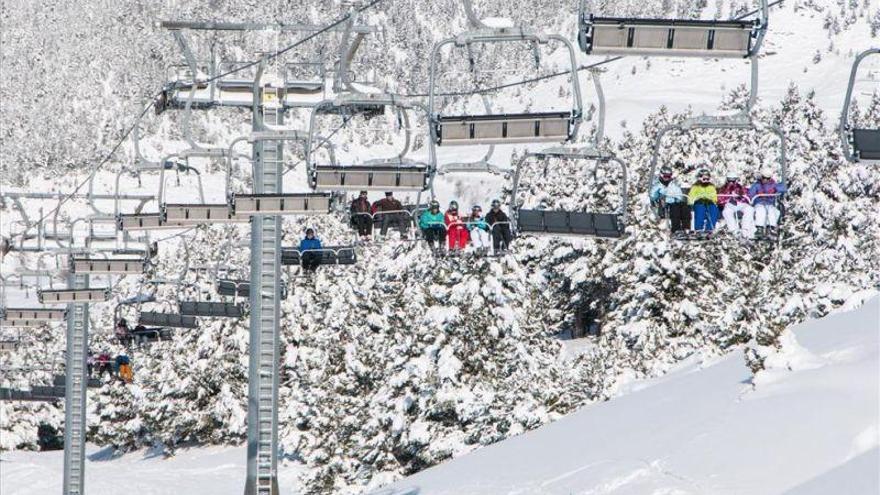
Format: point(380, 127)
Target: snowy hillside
point(808, 424)
point(405, 360)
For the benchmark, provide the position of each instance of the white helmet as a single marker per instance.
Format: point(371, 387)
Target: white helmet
point(767, 173)
point(731, 176)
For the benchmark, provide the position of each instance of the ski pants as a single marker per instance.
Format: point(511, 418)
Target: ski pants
point(766, 215)
point(744, 227)
point(679, 216)
point(501, 237)
point(363, 223)
point(311, 260)
point(480, 238)
point(457, 237)
point(434, 235)
point(705, 216)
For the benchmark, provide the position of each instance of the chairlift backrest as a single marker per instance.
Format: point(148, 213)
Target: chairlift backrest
point(859, 144)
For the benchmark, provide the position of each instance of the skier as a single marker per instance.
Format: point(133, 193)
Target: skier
point(360, 215)
point(90, 363)
point(703, 197)
point(390, 212)
point(456, 230)
point(308, 247)
point(478, 230)
point(122, 332)
point(500, 224)
point(103, 365)
point(123, 366)
point(733, 198)
point(667, 196)
point(765, 194)
point(432, 226)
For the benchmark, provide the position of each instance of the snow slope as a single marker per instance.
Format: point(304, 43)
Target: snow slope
point(808, 425)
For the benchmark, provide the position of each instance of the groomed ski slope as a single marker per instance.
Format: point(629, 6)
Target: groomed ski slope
point(809, 425)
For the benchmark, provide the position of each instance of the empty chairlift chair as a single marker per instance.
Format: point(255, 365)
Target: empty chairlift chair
point(599, 35)
point(860, 144)
point(167, 320)
point(391, 174)
point(211, 309)
point(533, 127)
point(570, 223)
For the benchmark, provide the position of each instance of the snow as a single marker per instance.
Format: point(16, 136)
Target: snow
point(215, 470)
point(704, 428)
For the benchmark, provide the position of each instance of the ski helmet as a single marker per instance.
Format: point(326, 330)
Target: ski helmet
point(477, 208)
point(766, 173)
point(704, 175)
point(453, 205)
point(435, 204)
point(731, 176)
point(310, 231)
point(666, 172)
point(496, 202)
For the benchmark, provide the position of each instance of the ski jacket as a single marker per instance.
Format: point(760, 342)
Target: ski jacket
point(453, 220)
point(761, 188)
point(387, 204)
point(359, 205)
point(494, 217)
point(309, 244)
point(732, 193)
point(671, 192)
point(477, 223)
point(431, 220)
point(703, 192)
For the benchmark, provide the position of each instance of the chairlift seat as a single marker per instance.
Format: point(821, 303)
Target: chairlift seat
point(668, 37)
point(329, 255)
point(866, 144)
point(359, 177)
point(211, 309)
point(304, 87)
point(171, 320)
point(241, 288)
point(120, 265)
point(8, 345)
point(36, 314)
point(9, 323)
point(196, 214)
point(281, 204)
point(504, 128)
point(555, 222)
point(73, 296)
point(154, 334)
point(61, 381)
point(145, 221)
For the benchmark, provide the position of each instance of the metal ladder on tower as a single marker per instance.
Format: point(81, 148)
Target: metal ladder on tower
point(265, 313)
point(75, 391)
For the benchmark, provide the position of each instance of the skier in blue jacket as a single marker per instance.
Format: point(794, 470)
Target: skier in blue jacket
point(667, 195)
point(307, 250)
point(432, 225)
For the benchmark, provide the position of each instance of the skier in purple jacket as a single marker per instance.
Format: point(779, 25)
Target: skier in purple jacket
point(765, 193)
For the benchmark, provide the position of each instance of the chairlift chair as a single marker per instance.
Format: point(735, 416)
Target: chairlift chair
point(599, 35)
point(532, 127)
point(211, 309)
point(167, 320)
point(63, 296)
point(860, 144)
point(570, 223)
point(397, 173)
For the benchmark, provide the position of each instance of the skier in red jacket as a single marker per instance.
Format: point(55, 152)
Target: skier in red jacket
point(456, 230)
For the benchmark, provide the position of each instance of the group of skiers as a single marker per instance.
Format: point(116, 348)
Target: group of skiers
point(452, 227)
point(748, 212)
point(388, 210)
point(460, 230)
point(102, 364)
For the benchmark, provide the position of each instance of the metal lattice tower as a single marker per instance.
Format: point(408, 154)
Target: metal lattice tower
point(265, 314)
point(75, 387)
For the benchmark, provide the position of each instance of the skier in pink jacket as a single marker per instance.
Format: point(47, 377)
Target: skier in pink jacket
point(733, 198)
